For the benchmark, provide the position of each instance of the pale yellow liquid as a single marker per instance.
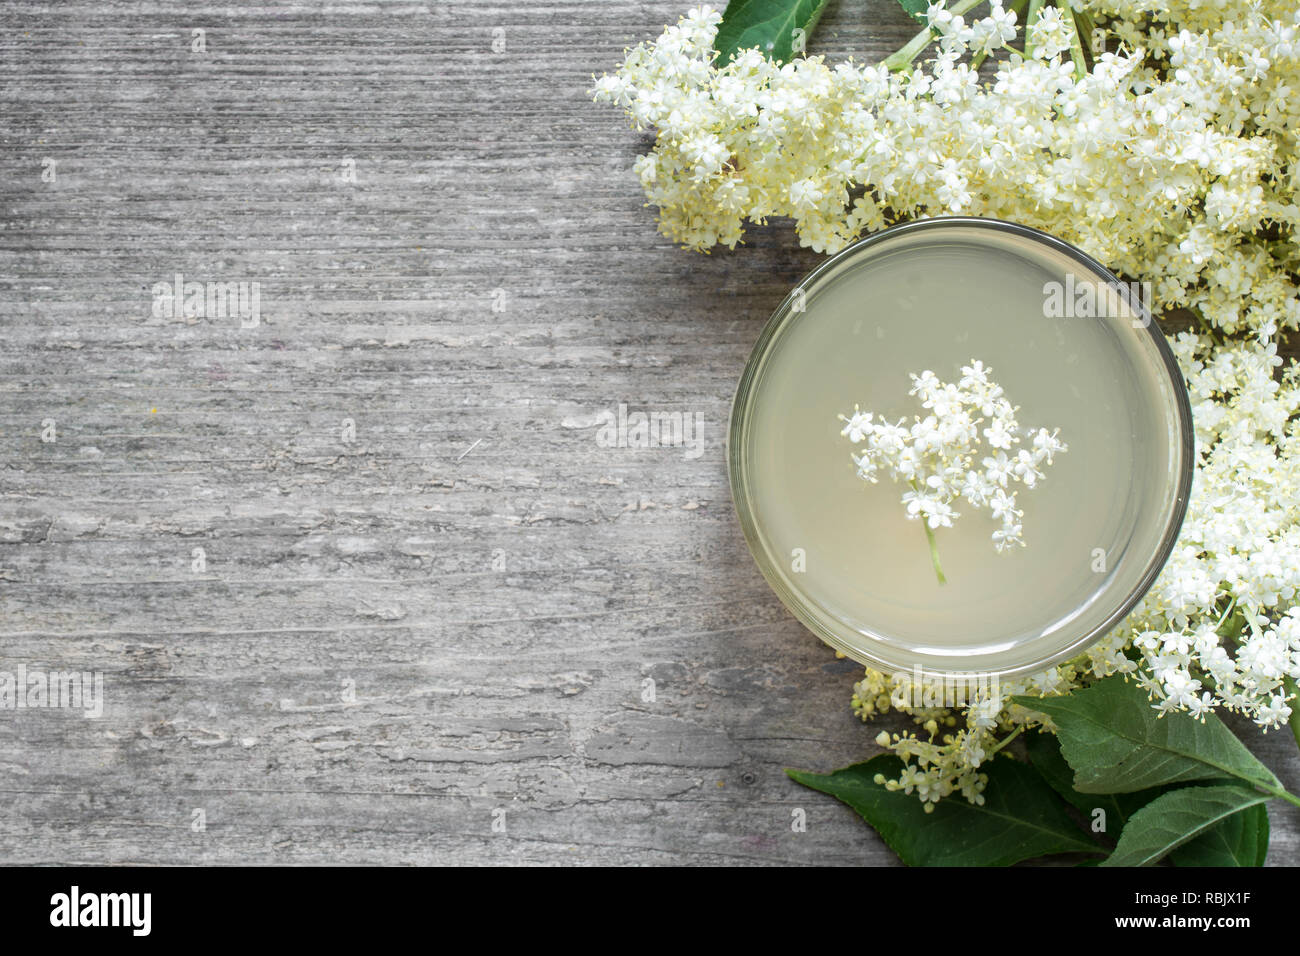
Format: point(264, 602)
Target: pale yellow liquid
point(935, 300)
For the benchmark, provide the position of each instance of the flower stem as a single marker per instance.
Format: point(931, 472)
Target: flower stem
point(902, 59)
point(934, 552)
point(1006, 740)
point(1031, 16)
point(1288, 797)
point(1076, 44)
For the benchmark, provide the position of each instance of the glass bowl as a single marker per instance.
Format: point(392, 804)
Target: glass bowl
point(935, 294)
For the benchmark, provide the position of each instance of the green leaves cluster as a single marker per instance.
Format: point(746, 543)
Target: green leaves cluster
point(1173, 787)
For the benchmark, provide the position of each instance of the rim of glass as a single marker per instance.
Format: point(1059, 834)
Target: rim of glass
point(795, 602)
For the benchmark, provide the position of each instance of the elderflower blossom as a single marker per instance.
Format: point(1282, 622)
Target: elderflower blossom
point(936, 457)
point(1175, 160)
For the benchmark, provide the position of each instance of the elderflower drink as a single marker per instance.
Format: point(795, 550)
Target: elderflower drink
point(961, 447)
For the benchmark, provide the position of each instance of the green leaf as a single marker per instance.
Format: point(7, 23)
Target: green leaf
point(1116, 742)
point(1172, 819)
point(766, 24)
point(1021, 818)
point(1045, 754)
point(1240, 840)
point(916, 9)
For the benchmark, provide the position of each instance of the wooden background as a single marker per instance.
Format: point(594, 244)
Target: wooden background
point(454, 614)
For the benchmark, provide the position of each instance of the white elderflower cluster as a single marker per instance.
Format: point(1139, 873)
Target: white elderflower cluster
point(945, 756)
point(1219, 628)
point(936, 456)
point(983, 36)
point(1175, 159)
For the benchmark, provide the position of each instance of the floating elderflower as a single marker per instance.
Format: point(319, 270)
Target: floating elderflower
point(936, 456)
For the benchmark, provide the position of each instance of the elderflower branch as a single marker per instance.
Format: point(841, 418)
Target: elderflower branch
point(902, 58)
point(947, 456)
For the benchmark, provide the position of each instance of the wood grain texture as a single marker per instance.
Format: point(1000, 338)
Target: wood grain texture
point(390, 638)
